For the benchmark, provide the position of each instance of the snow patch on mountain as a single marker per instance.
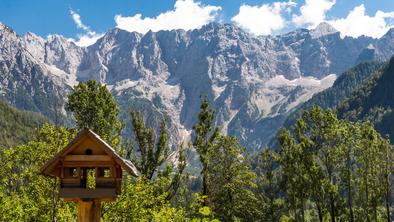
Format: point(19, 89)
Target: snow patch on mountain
point(307, 81)
point(249, 80)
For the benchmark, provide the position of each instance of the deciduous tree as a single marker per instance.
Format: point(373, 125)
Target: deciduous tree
point(94, 107)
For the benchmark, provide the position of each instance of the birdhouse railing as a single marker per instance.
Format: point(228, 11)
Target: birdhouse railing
point(88, 182)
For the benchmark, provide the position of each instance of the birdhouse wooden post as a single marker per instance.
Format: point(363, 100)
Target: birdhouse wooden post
point(90, 172)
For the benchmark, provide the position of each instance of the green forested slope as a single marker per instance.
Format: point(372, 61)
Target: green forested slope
point(342, 88)
point(373, 101)
point(344, 85)
point(17, 126)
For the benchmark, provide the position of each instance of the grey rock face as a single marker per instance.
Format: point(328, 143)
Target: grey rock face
point(384, 47)
point(25, 81)
point(322, 51)
point(323, 29)
point(253, 82)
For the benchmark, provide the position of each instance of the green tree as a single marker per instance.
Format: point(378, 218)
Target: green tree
point(231, 182)
point(152, 156)
point(350, 133)
point(139, 201)
point(268, 185)
point(294, 164)
point(205, 135)
point(344, 168)
point(369, 158)
point(387, 150)
point(94, 107)
point(26, 195)
point(323, 130)
point(311, 152)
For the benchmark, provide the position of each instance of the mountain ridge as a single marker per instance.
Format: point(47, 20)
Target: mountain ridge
point(170, 70)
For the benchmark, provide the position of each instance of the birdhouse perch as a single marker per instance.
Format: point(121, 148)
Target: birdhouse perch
point(90, 171)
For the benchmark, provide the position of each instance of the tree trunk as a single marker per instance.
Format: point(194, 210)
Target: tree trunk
point(302, 208)
point(374, 204)
point(388, 210)
point(54, 199)
point(205, 187)
point(272, 213)
point(319, 212)
point(332, 208)
point(388, 203)
point(366, 198)
point(332, 201)
point(349, 196)
point(375, 212)
point(293, 203)
point(272, 198)
point(387, 180)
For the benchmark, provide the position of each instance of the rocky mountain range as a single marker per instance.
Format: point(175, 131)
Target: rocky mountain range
point(252, 81)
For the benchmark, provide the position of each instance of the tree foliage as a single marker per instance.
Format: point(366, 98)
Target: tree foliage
point(268, 185)
point(151, 152)
point(205, 134)
point(340, 168)
point(26, 195)
point(94, 107)
point(231, 182)
point(18, 127)
point(326, 169)
point(151, 156)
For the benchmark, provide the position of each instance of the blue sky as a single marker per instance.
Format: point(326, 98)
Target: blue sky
point(88, 19)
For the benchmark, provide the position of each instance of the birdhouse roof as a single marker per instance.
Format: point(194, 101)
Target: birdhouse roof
point(126, 165)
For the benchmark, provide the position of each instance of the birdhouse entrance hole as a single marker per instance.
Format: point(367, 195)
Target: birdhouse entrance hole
point(88, 152)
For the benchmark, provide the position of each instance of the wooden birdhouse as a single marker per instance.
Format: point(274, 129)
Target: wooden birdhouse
point(90, 171)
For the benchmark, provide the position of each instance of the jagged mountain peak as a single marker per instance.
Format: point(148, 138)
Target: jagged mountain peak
point(169, 70)
point(389, 33)
point(33, 42)
point(220, 29)
point(58, 39)
point(6, 28)
point(295, 35)
point(117, 31)
point(323, 29)
point(325, 26)
point(7, 34)
point(32, 37)
point(116, 36)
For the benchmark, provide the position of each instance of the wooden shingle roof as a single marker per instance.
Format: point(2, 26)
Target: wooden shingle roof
point(126, 165)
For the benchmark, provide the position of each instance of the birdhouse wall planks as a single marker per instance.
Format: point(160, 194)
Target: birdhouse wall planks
point(90, 171)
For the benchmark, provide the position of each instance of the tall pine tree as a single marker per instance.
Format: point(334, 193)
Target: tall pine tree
point(205, 134)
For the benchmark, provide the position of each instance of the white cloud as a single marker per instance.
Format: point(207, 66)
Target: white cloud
point(357, 23)
point(77, 19)
point(313, 12)
point(264, 19)
point(186, 14)
point(89, 37)
point(86, 40)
